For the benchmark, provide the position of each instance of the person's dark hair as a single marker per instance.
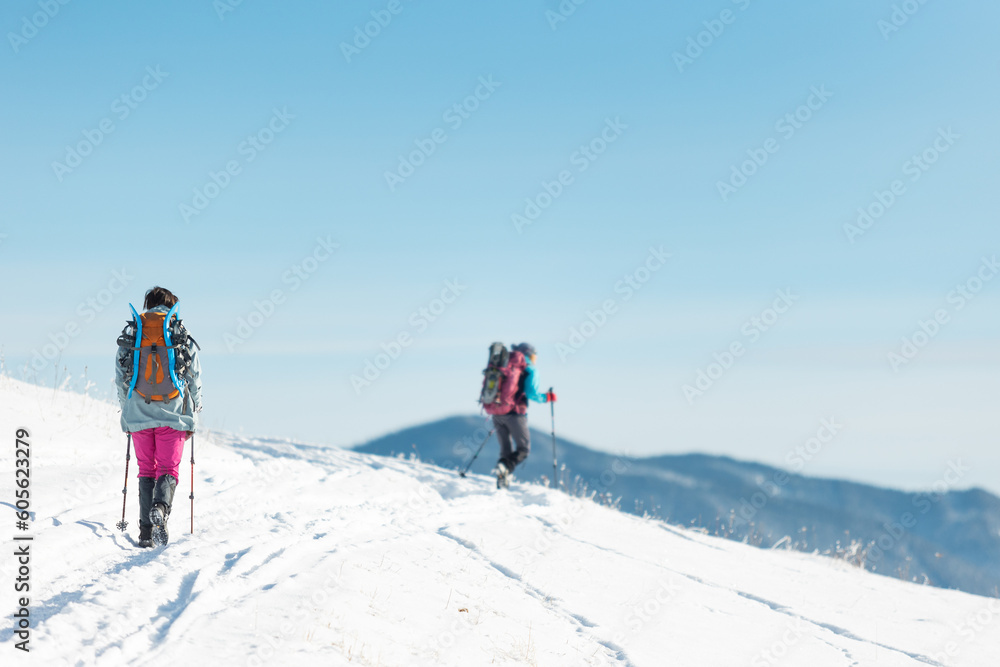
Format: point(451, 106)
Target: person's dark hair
point(159, 296)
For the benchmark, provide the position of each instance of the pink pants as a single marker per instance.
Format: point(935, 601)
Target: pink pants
point(158, 451)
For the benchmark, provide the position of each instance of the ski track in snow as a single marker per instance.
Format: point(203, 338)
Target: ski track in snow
point(545, 599)
point(837, 631)
point(309, 555)
point(171, 610)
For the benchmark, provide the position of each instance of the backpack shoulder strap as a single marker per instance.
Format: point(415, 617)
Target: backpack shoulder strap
point(171, 357)
point(135, 357)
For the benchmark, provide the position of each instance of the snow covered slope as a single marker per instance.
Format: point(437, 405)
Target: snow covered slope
point(305, 555)
point(953, 542)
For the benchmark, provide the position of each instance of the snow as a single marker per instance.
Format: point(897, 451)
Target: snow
point(308, 555)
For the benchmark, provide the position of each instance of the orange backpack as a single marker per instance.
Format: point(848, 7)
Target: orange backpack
point(156, 373)
point(153, 382)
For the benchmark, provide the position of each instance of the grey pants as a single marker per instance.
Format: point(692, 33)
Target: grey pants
point(516, 427)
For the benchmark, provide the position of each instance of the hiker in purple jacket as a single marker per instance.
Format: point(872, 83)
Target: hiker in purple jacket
point(514, 424)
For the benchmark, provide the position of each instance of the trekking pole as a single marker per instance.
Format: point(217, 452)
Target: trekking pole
point(192, 484)
point(121, 525)
point(555, 467)
point(485, 440)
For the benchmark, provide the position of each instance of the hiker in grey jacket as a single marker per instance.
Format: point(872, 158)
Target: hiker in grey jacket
point(159, 390)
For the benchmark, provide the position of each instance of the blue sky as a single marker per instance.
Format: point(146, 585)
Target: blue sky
point(206, 89)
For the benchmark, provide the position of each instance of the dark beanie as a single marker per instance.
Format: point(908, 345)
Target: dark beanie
point(524, 348)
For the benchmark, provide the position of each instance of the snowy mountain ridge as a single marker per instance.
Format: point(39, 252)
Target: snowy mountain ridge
point(943, 535)
point(310, 555)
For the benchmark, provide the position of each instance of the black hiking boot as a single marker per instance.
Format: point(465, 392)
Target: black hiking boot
point(503, 475)
point(158, 515)
point(145, 535)
point(146, 485)
point(163, 496)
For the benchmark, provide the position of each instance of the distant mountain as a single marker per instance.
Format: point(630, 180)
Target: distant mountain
point(951, 540)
